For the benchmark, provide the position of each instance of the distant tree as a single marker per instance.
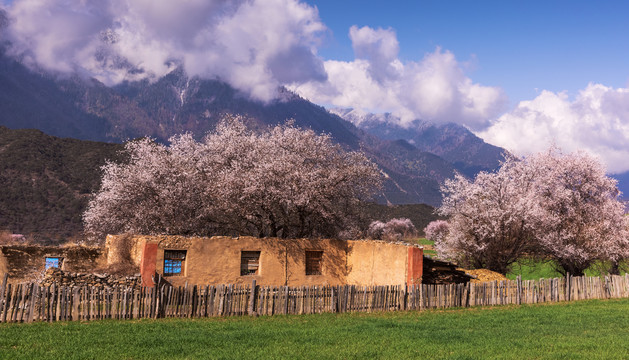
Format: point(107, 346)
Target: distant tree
point(287, 182)
point(392, 230)
point(560, 207)
point(577, 216)
point(437, 230)
point(375, 230)
point(488, 223)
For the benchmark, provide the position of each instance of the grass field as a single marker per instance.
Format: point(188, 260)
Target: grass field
point(578, 330)
point(427, 244)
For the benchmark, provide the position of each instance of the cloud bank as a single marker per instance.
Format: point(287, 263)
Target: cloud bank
point(596, 120)
point(254, 45)
point(434, 88)
point(258, 45)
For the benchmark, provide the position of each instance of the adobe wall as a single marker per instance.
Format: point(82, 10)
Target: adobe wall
point(216, 260)
point(121, 248)
point(376, 263)
point(27, 262)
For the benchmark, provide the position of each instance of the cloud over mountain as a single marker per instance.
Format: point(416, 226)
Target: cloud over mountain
point(596, 120)
point(253, 45)
point(258, 45)
point(434, 88)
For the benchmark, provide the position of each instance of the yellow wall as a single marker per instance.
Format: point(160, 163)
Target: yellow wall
point(216, 260)
point(376, 263)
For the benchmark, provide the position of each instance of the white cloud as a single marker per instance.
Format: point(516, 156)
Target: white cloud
point(433, 89)
point(254, 45)
point(596, 120)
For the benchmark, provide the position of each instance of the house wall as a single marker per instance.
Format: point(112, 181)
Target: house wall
point(376, 263)
point(28, 262)
point(217, 260)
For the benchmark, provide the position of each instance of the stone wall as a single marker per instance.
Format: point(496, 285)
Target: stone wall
point(27, 262)
point(60, 277)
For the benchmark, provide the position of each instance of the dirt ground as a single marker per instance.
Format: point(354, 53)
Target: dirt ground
point(484, 275)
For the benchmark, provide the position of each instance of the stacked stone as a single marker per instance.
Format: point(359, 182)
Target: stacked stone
point(60, 277)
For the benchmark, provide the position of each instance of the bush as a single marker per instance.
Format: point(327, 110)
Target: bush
point(392, 230)
point(437, 231)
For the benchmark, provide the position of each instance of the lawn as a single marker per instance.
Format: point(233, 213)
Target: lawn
point(578, 330)
point(427, 244)
point(531, 269)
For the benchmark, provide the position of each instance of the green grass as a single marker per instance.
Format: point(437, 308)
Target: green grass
point(578, 330)
point(424, 241)
point(532, 269)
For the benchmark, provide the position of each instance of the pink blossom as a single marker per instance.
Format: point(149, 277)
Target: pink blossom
point(284, 182)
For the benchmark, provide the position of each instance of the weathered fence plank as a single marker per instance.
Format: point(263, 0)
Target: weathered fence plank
point(28, 302)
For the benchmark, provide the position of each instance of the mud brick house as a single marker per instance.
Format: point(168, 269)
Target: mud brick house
point(28, 262)
point(270, 261)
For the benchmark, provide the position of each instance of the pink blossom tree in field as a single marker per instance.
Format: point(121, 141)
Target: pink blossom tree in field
point(488, 223)
point(287, 182)
point(577, 216)
point(392, 230)
point(375, 230)
point(437, 231)
point(559, 207)
point(398, 229)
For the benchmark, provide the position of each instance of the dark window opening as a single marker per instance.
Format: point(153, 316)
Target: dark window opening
point(55, 262)
point(249, 263)
point(174, 261)
point(313, 262)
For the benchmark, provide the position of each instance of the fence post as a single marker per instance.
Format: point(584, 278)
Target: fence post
point(332, 303)
point(32, 299)
point(519, 289)
point(252, 299)
point(568, 287)
point(3, 308)
point(286, 300)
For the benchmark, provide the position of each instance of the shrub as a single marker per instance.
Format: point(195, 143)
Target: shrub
point(392, 230)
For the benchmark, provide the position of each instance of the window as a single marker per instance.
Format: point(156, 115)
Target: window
point(174, 261)
point(249, 263)
point(313, 262)
point(53, 262)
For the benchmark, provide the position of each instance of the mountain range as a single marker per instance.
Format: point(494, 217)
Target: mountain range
point(83, 108)
point(90, 121)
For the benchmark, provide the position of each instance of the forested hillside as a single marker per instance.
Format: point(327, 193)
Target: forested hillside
point(45, 181)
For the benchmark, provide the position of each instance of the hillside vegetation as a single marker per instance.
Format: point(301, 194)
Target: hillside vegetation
point(46, 182)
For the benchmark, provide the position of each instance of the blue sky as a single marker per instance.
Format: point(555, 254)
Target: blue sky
point(520, 46)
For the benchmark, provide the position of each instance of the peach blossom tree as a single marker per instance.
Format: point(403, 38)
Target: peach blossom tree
point(286, 182)
point(393, 230)
point(488, 223)
point(557, 206)
point(578, 217)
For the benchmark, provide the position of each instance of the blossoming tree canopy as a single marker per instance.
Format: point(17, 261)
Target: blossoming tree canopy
point(287, 182)
point(578, 216)
point(488, 225)
point(559, 206)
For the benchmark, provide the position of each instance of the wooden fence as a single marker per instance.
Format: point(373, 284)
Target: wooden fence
point(29, 302)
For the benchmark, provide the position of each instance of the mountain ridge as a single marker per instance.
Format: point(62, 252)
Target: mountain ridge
point(81, 108)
